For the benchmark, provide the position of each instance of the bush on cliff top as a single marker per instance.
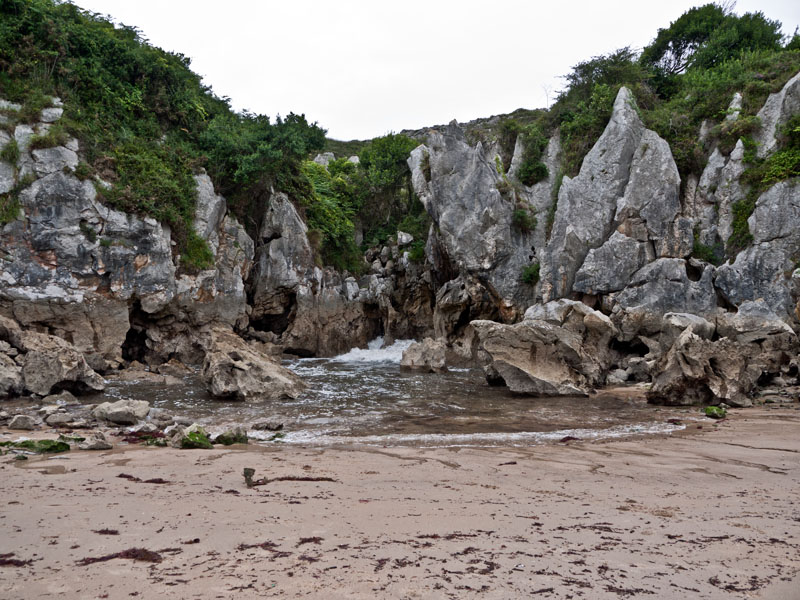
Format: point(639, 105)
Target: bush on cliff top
point(145, 120)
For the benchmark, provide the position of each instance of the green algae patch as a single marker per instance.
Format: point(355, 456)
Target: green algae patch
point(39, 446)
point(229, 438)
point(196, 440)
point(715, 412)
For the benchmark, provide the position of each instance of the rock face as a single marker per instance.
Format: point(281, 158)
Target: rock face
point(460, 188)
point(90, 275)
point(760, 270)
point(312, 311)
point(41, 364)
point(629, 183)
point(777, 110)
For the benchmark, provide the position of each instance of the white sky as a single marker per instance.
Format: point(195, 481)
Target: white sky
point(363, 68)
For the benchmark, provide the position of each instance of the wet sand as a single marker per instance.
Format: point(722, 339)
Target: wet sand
point(710, 513)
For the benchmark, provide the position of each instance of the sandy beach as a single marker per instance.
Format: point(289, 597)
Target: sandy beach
point(709, 513)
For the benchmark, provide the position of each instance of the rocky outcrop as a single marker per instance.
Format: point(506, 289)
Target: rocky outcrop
point(559, 349)
point(311, 311)
point(698, 371)
point(429, 355)
point(754, 344)
point(41, 364)
point(777, 110)
point(240, 370)
point(761, 270)
point(460, 187)
point(83, 272)
point(629, 183)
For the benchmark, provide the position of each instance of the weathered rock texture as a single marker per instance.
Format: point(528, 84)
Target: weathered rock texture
point(313, 311)
point(460, 187)
point(621, 242)
point(428, 355)
point(628, 186)
point(240, 370)
point(620, 296)
point(559, 349)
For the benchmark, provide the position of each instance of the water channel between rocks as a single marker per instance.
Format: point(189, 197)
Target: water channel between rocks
point(363, 397)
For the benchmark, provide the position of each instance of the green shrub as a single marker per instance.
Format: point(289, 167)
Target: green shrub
point(34, 101)
point(523, 220)
point(10, 152)
point(740, 236)
point(530, 274)
point(9, 208)
point(83, 171)
point(507, 134)
point(729, 132)
point(426, 166)
point(532, 170)
point(714, 255)
point(54, 136)
point(531, 173)
point(88, 232)
point(197, 255)
point(9, 202)
point(416, 252)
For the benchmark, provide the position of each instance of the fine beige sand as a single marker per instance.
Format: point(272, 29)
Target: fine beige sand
point(711, 513)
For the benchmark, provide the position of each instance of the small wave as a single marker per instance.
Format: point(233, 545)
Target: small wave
point(375, 352)
point(447, 440)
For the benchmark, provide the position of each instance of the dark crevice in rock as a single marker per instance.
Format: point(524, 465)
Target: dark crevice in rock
point(693, 273)
point(723, 302)
point(299, 352)
point(634, 347)
point(135, 345)
point(277, 323)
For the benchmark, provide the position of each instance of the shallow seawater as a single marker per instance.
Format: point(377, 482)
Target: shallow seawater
point(363, 397)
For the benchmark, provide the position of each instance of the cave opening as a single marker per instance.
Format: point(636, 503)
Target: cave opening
point(134, 348)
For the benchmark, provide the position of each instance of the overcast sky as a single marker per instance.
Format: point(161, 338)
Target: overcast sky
point(363, 68)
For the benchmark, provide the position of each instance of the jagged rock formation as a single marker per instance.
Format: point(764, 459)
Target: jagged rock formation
point(619, 297)
point(628, 186)
point(87, 281)
point(558, 349)
point(236, 369)
point(458, 185)
point(621, 242)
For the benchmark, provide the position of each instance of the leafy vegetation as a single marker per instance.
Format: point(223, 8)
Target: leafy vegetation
point(9, 202)
point(10, 152)
point(705, 37)
point(330, 209)
point(145, 121)
point(376, 193)
point(523, 220)
point(530, 274)
point(54, 136)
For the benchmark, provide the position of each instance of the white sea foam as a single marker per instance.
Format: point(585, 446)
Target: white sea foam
point(445, 440)
point(375, 352)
